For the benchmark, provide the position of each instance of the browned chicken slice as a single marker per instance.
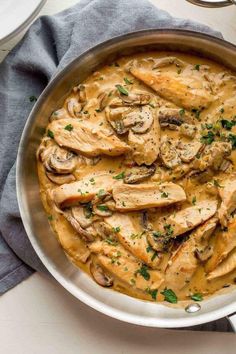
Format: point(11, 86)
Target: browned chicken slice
point(227, 191)
point(142, 196)
point(188, 218)
point(82, 191)
point(225, 242)
point(185, 91)
point(184, 262)
point(145, 145)
point(118, 263)
point(135, 241)
point(225, 267)
point(85, 138)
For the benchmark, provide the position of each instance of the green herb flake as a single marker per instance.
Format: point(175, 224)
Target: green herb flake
point(228, 124)
point(154, 256)
point(182, 112)
point(143, 271)
point(88, 210)
point(69, 127)
point(98, 110)
point(164, 195)
point(157, 234)
point(208, 138)
point(194, 200)
point(119, 176)
point(169, 296)
point(33, 99)
point(197, 297)
point(132, 281)
point(127, 81)
point(111, 242)
point(92, 181)
point(149, 249)
point(179, 71)
point(116, 229)
point(122, 90)
point(101, 193)
point(152, 292)
point(222, 110)
point(50, 217)
point(102, 207)
point(216, 183)
point(197, 67)
point(50, 134)
point(232, 139)
point(169, 229)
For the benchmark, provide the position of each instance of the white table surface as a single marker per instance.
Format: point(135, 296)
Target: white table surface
point(40, 317)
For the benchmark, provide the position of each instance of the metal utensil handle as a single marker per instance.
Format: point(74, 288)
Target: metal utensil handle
point(217, 3)
point(232, 320)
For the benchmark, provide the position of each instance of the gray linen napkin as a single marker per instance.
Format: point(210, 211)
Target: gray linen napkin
point(50, 44)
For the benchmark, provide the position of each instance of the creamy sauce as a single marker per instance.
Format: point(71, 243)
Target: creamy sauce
point(213, 123)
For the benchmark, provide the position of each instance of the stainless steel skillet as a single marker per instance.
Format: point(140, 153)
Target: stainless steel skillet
point(33, 215)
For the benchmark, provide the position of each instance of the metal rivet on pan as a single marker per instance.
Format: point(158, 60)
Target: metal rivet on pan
point(191, 308)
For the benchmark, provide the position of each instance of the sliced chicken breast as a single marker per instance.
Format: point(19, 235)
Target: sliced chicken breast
point(225, 242)
point(183, 262)
point(188, 218)
point(86, 138)
point(227, 191)
point(225, 267)
point(183, 91)
point(142, 196)
point(82, 191)
point(135, 241)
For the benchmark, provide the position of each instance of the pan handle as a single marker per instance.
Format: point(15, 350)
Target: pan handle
point(217, 3)
point(232, 319)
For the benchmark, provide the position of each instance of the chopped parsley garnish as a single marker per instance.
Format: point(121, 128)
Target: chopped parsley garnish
point(110, 241)
point(88, 210)
point(119, 176)
point(154, 256)
point(232, 139)
point(164, 195)
point(197, 297)
point(101, 193)
point(157, 234)
point(181, 112)
point(169, 229)
point(153, 293)
point(69, 127)
point(222, 110)
point(216, 183)
point(127, 81)
point(194, 200)
point(98, 110)
point(92, 181)
point(169, 296)
point(228, 124)
point(197, 67)
point(103, 207)
point(149, 249)
point(208, 138)
point(132, 281)
point(143, 271)
point(196, 112)
point(116, 229)
point(179, 71)
point(122, 90)
point(85, 112)
point(50, 134)
point(50, 217)
point(33, 99)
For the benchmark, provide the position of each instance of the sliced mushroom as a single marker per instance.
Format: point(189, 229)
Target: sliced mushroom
point(143, 121)
point(188, 151)
point(162, 62)
point(81, 215)
point(86, 234)
point(60, 179)
point(74, 107)
point(100, 276)
point(173, 118)
point(169, 154)
point(138, 173)
point(102, 210)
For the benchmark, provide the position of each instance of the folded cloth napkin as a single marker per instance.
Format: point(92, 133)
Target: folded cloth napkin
point(50, 44)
